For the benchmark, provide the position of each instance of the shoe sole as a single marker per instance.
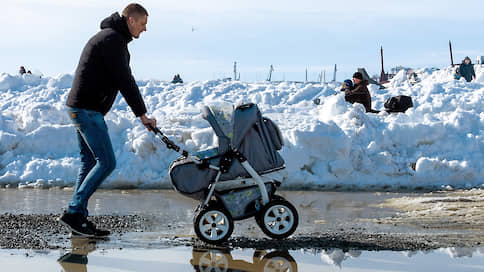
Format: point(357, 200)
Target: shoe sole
point(75, 235)
point(79, 234)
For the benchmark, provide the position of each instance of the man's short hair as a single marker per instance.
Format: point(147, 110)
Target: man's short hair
point(134, 9)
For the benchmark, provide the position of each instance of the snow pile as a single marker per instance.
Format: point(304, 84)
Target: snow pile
point(334, 145)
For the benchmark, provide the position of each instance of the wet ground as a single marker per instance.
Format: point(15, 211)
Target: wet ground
point(333, 226)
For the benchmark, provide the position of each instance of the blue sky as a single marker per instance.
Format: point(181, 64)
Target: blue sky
point(47, 36)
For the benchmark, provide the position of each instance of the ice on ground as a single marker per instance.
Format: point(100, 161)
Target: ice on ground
point(439, 143)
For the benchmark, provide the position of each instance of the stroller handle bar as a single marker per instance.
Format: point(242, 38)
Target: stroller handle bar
point(169, 143)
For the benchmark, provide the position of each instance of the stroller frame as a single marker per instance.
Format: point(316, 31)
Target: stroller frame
point(214, 216)
point(243, 161)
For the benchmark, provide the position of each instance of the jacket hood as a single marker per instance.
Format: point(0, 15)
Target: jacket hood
point(118, 23)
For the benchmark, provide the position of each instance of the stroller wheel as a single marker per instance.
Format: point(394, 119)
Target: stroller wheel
point(213, 225)
point(278, 219)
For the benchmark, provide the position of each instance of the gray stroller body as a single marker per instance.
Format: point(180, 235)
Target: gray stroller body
point(238, 178)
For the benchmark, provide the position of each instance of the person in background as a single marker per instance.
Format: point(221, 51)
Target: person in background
point(22, 70)
point(457, 75)
point(467, 69)
point(103, 70)
point(177, 79)
point(359, 93)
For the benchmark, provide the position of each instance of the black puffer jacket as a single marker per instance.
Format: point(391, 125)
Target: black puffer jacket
point(103, 69)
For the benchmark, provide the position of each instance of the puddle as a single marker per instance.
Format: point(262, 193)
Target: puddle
point(352, 223)
point(90, 258)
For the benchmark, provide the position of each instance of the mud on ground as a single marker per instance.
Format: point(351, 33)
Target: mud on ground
point(459, 210)
point(360, 221)
point(42, 232)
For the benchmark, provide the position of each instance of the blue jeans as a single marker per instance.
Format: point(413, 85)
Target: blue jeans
point(97, 156)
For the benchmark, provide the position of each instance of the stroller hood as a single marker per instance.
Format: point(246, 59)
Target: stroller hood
point(243, 129)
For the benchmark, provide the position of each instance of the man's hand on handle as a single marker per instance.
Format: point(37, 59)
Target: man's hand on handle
point(147, 121)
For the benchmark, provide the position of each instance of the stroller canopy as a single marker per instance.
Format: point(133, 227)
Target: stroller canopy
point(242, 129)
point(231, 126)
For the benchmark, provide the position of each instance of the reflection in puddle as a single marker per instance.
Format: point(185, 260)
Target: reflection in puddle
point(92, 256)
point(85, 256)
point(76, 260)
point(219, 259)
point(222, 260)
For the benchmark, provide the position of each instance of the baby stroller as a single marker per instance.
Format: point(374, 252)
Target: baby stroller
point(236, 180)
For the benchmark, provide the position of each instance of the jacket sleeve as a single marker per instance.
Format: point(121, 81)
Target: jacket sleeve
point(361, 95)
point(117, 60)
point(356, 91)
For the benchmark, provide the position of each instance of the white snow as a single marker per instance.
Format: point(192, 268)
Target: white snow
point(335, 145)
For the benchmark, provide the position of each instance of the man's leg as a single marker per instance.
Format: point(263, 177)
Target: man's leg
point(87, 163)
point(97, 162)
point(94, 133)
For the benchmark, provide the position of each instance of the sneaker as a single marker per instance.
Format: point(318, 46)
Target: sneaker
point(97, 232)
point(77, 224)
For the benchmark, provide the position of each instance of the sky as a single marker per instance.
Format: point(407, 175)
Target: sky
point(201, 40)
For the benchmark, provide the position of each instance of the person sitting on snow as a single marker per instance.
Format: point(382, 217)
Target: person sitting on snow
point(467, 69)
point(413, 77)
point(359, 93)
point(177, 79)
point(457, 74)
point(22, 70)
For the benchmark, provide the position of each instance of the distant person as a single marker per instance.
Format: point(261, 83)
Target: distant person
point(103, 70)
point(22, 70)
point(457, 74)
point(177, 79)
point(359, 93)
point(467, 69)
point(29, 72)
point(413, 77)
point(347, 85)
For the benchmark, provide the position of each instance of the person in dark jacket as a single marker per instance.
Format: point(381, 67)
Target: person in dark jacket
point(177, 79)
point(467, 69)
point(22, 70)
point(359, 93)
point(103, 70)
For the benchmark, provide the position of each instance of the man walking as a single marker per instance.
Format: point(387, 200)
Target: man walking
point(103, 70)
